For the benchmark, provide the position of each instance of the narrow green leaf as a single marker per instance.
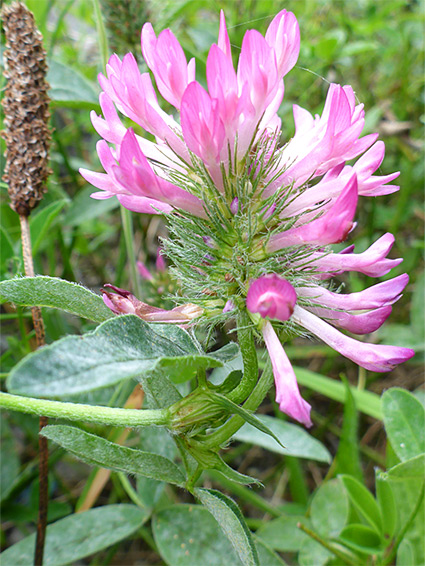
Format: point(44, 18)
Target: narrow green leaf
point(404, 420)
point(77, 536)
point(329, 509)
point(42, 221)
point(347, 458)
point(363, 501)
point(361, 538)
point(101, 32)
point(387, 505)
point(296, 440)
point(232, 523)
point(188, 535)
point(55, 293)
point(7, 252)
point(84, 208)
point(217, 463)
point(118, 349)
point(100, 452)
point(249, 417)
point(9, 461)
point(366, 402)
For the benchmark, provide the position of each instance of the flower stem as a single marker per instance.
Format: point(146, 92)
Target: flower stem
point(223, 434)
point(250, 362)
point(127, 222)
point(87, 413)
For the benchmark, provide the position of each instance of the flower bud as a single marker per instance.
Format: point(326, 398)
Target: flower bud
point(271, 296)
point(123, 302)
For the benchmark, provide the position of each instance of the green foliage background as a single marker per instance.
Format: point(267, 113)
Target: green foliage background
point(375, 46)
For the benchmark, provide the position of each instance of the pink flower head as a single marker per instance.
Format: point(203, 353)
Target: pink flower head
point(246, 211)
point(272, 297)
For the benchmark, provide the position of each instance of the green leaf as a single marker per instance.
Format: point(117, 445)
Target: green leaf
point(387, 505)
point(406, 554)
point(313, 554)
point(347, 459)
point(42, 221)
point(413, 468)
point(97, 451)
point(9, 461)
point(232, 523)
point(366, 402)
point(404, 420)
point(363, 501)
point(221, 356)
point(77, 536)
point(160, 392)
point(68, 88)
point(329, 509)
point(283, 535)
point(188, 535)
point(266, 556)
point(361, 538)
point(84, 208)
point(157, 440)
point(407, 494)
point(417, 311)
point(118, 349)
point(296, 440)
point(55, 293)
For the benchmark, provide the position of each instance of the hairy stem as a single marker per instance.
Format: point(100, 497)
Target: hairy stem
point(86, 413)
point(250, 362)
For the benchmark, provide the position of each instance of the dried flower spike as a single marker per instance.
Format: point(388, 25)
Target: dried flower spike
point(26, 110)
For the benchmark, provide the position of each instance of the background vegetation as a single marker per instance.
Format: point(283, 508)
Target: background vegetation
point(375, 46)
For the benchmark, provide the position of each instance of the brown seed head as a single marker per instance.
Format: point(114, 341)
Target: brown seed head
point(26, 109)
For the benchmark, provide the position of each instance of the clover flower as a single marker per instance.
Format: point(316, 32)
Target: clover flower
point(251, 222)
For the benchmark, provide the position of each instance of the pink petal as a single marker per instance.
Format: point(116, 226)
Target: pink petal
point(382, 294)
point(202, 127)
point(287, 392)
point(283, 35)
point(362, 323)
point(330, 228)
point(223, 37)
point(372, 262)
point(374, 357)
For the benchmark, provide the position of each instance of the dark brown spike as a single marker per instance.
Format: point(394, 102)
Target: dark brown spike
point(26, 109)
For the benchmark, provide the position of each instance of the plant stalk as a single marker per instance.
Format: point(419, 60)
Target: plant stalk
point(43, 469)
point(127, 223)
point(250, 362)
point(85, 413)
